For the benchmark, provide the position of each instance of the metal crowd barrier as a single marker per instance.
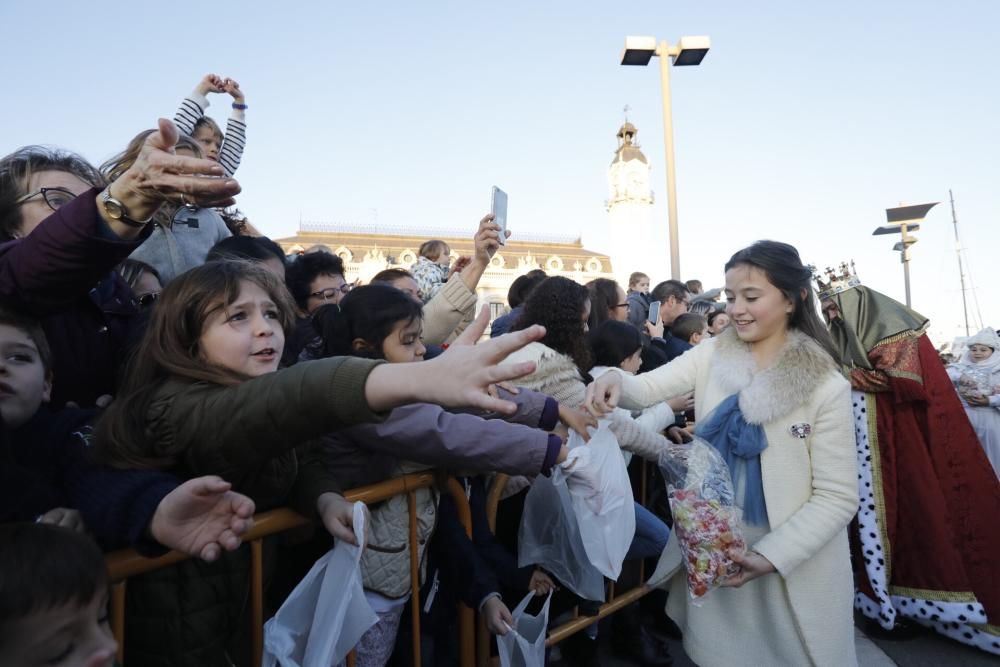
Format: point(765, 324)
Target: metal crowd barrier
point(615, 601)
point(128, 563)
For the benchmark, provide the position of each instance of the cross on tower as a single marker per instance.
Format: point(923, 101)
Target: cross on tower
point(626, 110)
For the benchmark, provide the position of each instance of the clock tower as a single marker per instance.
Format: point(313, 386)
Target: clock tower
point(636, 244)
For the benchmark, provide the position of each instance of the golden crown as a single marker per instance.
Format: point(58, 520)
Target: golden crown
point(835, 281)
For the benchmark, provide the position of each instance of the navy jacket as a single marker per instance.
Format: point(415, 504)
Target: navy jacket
point(46, 463)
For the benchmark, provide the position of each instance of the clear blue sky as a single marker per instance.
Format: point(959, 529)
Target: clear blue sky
point(805, 121)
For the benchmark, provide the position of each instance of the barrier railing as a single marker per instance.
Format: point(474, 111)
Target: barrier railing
point(614, 603)
point(128, 563)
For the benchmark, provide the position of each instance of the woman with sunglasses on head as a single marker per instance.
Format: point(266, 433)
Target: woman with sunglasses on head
point(144, 280)
point(62, 232)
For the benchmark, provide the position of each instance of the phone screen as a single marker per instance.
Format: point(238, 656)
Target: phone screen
point(654, 313)
point(498, 207)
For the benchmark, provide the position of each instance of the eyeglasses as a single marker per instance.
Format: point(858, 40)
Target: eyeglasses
point(330, 292)
point(147, 300)
point(54, 197)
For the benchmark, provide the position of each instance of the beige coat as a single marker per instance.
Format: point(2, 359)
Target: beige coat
point(448, 313)
point(810, 483)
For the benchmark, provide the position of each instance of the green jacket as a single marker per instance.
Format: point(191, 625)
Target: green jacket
point(252, 434)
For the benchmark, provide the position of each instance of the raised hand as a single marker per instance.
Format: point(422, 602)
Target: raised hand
point(210, 83)
point(159, 174)
point(233, 88)
point(201, 517)
point(487, 239)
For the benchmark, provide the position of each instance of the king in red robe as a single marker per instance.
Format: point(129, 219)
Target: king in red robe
point(928, 527)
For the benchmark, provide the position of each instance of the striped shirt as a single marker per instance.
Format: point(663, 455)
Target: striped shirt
point(193, 107)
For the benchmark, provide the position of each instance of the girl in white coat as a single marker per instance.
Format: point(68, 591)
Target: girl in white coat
point(775, 405)
point(977, 377)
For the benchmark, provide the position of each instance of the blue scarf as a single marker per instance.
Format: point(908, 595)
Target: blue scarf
point(740, 444)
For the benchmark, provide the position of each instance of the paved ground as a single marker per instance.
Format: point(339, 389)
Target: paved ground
point(927, 649)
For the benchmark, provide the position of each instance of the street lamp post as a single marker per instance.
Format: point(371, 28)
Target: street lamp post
point(903, 220)
point(688, 51)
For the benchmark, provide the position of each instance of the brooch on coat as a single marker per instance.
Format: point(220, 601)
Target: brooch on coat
point(801, 430)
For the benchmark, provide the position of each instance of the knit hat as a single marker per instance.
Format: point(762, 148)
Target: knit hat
point(987, 337)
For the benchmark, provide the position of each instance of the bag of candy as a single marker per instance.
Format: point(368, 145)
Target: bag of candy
point(706, 518)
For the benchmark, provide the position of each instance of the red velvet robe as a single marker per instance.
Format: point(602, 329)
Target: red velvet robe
point(936, 497)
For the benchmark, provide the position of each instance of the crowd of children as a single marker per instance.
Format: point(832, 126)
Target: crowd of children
point(164, 375)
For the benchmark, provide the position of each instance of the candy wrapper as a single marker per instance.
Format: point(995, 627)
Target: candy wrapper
point(706, 518)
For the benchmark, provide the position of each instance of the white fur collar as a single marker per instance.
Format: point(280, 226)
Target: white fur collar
point(774, 392)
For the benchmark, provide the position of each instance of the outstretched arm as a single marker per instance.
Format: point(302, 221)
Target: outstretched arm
point(201, 517)
point(235, 139)
point(462, 374)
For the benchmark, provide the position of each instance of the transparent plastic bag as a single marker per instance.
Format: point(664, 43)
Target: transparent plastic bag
point(524, 645)
point(601, 493)
point(549, 537)
point(326, 614)
point(706, 518)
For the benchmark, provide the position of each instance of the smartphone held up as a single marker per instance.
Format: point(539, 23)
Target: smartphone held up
point(498, 207)
point(654, 313)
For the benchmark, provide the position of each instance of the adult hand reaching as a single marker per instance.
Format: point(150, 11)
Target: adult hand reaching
point(201, 517)
point(158, 174)
point(458, 378)
point(577, 420)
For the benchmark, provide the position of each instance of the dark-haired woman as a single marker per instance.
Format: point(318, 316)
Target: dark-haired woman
point(778, 409)
point(563, 359)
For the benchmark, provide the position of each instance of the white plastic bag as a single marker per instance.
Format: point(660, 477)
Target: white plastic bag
point(549, 537)
point(601, 492)
point(524, 645)
point(330, 601)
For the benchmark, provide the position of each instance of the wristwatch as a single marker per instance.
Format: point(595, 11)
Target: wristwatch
point(117, 211)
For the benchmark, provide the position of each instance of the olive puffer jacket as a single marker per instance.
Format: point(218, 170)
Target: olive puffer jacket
point(252, 434)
